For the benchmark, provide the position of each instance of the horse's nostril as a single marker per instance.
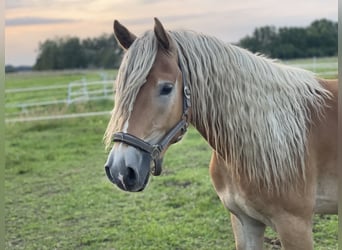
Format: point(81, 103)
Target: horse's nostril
point(131, 177)
point(109, 175)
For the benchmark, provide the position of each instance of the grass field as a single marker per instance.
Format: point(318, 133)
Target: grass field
point(58, 197)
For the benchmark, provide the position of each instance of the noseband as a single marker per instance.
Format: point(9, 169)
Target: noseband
point(154, 150)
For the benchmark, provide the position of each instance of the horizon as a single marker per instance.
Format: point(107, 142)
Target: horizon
point(87, 19)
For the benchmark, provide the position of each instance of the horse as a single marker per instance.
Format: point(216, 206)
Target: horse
point(272, 129)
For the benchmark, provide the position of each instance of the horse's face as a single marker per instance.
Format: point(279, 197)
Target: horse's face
point(157, 108)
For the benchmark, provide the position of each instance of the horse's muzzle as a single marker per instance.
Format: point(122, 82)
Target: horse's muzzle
point(128, 183)
point(129, 171)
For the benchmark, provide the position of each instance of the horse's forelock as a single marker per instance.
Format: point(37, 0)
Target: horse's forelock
point(134, 69)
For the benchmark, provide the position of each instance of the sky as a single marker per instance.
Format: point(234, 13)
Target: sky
point(30, 22)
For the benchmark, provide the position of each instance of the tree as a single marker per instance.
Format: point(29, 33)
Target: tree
point(322, 38)
point(319, 39)
point(48, 56)
point(291, 43)
point(103, 51)
point(262, 39)
point(71, 53)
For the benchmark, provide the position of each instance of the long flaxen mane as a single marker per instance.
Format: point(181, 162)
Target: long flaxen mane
point(256, 111)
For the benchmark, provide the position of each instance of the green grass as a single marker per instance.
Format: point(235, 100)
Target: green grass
point(325, 67)
point(310, 60)
point(48, 78)
point(58, 197)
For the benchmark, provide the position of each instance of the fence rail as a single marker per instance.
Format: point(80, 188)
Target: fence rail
point(56, 117)
point(19, 90)
point(78, 91)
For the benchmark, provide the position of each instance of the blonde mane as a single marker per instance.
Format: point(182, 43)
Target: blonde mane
point(256, 111)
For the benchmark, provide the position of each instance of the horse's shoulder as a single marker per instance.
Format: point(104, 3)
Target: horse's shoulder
point(330, 84)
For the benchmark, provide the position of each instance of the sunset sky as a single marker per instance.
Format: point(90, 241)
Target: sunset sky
point(29, 22)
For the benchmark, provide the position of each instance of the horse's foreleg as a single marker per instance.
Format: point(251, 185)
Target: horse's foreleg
point(248, 233)
point(295, 233)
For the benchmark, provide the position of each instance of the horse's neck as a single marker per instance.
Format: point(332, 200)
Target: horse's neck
point(200, 128)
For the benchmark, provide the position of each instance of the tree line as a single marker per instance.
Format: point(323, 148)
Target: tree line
point(318, 39)
point(73, 53)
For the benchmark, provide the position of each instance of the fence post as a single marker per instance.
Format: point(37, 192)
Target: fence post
point(24, 109)
point(69, 100)
point(85, 88)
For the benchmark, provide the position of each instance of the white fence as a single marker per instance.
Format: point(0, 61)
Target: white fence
point(79, 91)
point(74, 92)
point(82, 91)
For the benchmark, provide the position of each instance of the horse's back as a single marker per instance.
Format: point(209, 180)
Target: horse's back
point(323, 151)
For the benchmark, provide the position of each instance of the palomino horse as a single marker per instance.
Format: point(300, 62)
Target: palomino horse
point(273, 129)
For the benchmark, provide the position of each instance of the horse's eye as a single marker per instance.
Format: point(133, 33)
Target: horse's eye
point(166, 89)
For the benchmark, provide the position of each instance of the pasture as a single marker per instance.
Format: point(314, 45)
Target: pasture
point(58, 196)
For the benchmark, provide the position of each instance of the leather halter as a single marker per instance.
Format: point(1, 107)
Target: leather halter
point(154, 150)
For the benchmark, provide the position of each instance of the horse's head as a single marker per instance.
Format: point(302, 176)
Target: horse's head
point(157, 118)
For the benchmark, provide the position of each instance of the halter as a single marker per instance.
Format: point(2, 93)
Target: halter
point(154, 150)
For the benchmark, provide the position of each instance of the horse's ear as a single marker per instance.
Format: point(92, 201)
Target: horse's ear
point(123, 35)
point(161, 34)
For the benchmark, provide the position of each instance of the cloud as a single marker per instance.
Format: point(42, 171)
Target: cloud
point(149, 20)
point(24, 21)
point(180, 18)
point(16, 4)
point(10, 4)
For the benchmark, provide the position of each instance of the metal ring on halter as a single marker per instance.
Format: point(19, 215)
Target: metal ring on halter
point(187, 92)
point(157, 168)
point(155, 152)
